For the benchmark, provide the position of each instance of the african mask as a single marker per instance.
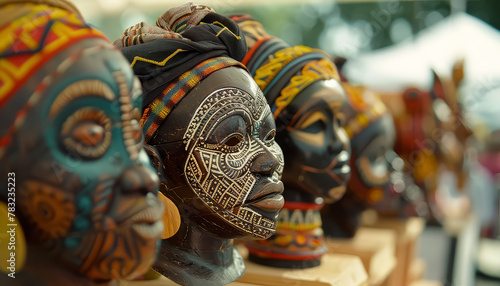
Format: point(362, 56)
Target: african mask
point(85, 191)
point(227, 165)
point(371, 130)
point(372, 134)
point(214, 136)
point(320, 147)
point(302, 87)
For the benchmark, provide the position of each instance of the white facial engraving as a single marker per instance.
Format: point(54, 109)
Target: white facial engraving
point(224, 138)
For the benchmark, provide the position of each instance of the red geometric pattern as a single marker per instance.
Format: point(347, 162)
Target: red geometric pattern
point(27, 43)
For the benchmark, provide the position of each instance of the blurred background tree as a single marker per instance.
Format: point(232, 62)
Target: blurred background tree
point(341, 28)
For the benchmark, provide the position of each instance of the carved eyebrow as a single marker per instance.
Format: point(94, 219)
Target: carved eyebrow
point(304, 109)
point(317, 115)
point(79, 89)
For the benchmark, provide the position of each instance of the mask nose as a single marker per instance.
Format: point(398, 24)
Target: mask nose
point(265, 163)
point(137, 179)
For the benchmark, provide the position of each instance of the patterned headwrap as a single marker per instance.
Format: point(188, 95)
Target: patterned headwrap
point(282, 71)
point(31, 34)
point(188, 43)
point(362, 107)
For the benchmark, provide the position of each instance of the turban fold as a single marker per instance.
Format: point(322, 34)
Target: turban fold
point(282, 71)
point(188, 43)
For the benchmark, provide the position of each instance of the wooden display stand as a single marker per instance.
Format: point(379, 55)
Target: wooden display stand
point(163, 281)
point(335, 270)
point(407, 233)
point(375, 247)
point(417, 271)
point(426, 283)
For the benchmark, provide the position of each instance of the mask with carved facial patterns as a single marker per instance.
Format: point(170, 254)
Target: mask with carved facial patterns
point(214, 136)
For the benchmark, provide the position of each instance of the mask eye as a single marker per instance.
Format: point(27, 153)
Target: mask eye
point(270, 137)
point(228, 135)
point(233, 140)
point(87, 132)
point(314, 124)
point(267, 130)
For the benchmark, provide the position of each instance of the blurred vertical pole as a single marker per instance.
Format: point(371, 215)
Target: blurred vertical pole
point(458, 6)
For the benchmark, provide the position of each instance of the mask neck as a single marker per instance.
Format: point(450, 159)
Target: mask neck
point(194, 256)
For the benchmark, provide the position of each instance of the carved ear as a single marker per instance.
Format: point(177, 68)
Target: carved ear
point(458, 72)
point(437, 87)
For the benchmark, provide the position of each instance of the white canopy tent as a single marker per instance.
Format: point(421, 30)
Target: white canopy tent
point(409, 63)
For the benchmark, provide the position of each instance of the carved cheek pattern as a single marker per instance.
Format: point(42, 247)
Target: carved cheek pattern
point(50, 211)
point(226, 185)
point(235, 165)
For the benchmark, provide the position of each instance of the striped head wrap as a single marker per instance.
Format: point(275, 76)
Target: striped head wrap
point(33, 33)
point(186, 44)
point(281, 71)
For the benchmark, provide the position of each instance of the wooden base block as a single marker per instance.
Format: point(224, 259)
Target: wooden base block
point(335, 270)
point(426, 283)
point(375, 247)
point(417, 270)
point(163, 281)
point(407, 233)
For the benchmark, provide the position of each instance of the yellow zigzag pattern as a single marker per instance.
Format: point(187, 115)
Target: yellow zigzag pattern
point(224, 29)
point(161, 64)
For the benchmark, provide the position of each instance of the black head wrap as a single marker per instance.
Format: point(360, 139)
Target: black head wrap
point(187, 43)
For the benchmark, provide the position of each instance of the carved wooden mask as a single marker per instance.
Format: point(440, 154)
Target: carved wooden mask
point(372, 133)
point(70, 132)
point(315, 146)
point(221, 164)
point(302, 86)
point(372, 170)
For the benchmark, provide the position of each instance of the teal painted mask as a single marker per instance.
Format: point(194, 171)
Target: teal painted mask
point(85, 191)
